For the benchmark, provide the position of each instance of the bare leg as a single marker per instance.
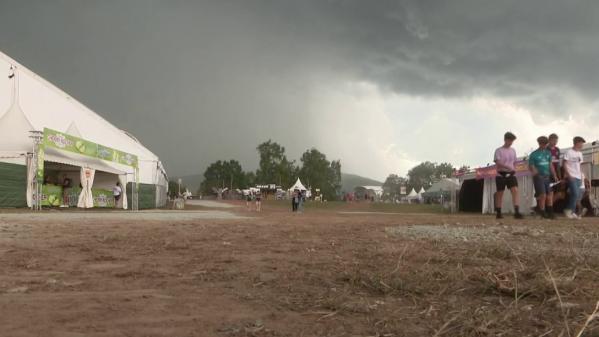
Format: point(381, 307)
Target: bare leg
point(541, 201)
point(515, 196)
point(499, 199)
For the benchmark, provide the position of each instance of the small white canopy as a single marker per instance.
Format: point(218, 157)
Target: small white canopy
point(421, 191)
point(298, 186)
point(413, 194)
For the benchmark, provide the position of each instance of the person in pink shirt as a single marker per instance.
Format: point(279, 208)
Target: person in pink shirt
point(505, 159)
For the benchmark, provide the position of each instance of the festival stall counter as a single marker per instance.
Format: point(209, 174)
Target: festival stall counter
point(94, 161)
point(28, 105)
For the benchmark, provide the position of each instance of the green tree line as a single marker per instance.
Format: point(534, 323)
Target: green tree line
point(423, 175)
point(314, 170)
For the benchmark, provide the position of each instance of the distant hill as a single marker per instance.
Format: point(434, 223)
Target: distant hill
point(350, 181)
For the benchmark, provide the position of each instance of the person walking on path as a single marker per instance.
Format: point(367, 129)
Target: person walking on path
point(543, 171)
point(301, 200)
point(248, 201)
point(505, 159)
point(295, 200)
point(259, 201)
point(573, 176)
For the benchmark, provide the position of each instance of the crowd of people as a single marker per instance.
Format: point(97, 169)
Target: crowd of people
point(556, 177)
point(298, 198)
point(254, 198)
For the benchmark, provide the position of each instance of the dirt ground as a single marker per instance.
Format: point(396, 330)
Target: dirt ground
point(322, 273)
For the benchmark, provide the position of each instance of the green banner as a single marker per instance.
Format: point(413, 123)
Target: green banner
point(51, 195)
point(40, 164)
point(102, 198)
point(66, 142)
point(72, 196)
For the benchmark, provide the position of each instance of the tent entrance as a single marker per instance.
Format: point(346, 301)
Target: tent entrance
point(471, 196)
point(62, 186)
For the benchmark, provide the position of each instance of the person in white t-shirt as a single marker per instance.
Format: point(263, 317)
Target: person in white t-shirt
point(573, 176)
point(116, 192)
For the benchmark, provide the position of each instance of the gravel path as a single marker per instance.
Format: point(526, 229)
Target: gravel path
point(153, 215)
point(209, 203)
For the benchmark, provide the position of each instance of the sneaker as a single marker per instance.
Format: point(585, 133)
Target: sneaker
point(570, 215)
point(518, 216)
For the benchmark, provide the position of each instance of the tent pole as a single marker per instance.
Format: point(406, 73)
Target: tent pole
point(135, 192)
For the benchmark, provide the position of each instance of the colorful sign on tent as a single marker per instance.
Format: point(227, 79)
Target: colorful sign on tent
point(102, 198)
point(521, 168)
point(66, 142)
point(51, 195)
point(40, 164)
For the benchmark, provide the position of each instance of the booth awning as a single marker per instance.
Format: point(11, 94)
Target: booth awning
point(70, 158)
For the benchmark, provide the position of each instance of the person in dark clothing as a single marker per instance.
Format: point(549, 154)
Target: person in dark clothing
point(295, 200)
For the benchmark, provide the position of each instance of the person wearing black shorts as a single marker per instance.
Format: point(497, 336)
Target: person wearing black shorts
point(505, 159)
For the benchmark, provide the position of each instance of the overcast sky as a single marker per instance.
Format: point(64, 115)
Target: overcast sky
point(381, 85)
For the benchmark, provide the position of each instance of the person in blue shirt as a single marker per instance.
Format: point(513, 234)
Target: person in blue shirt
point(540, 164)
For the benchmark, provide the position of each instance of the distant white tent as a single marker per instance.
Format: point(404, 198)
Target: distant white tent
point(298, 186)
point(421, 191)
point(377, 190)
point(413, 196)
point(444, 185)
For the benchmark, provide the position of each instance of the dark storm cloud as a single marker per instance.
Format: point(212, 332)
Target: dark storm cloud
point(463, 47)
point(224, 75)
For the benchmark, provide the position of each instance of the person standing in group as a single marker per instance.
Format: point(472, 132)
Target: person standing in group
point(116, 192)
point(573, 176)
point(555, 156)
point(556, 186)
point(585, 186)
point(259, 201)
point(543, 171)
point(505, 159)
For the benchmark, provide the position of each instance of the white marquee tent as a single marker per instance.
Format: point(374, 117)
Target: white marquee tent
point(299, 186)
point(28, 103)
point(413, 195)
